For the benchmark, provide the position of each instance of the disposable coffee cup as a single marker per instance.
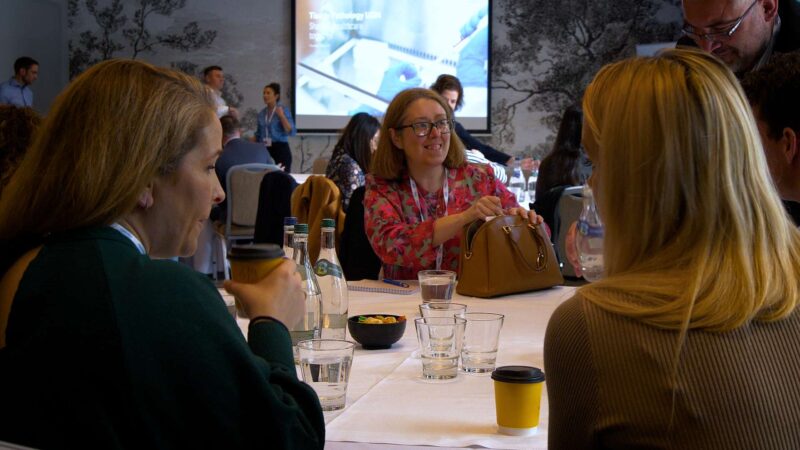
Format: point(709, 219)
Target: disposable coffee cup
point(517, 397)
point(251, 263)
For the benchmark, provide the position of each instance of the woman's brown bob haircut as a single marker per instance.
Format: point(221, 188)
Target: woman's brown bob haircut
point(389, 161)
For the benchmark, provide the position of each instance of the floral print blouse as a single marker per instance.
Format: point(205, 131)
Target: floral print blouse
point(346, 174)
point(394, 225)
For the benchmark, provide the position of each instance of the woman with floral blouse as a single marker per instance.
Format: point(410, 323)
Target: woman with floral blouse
point(421, 191)
point(352, 154)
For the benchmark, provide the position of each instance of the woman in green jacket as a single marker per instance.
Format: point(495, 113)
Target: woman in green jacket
point(107, 343)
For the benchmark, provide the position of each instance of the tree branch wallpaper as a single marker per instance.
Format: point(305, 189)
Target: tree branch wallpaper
point(544, 53)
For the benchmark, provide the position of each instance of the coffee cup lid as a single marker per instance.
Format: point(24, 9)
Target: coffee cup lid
point(255, 251)
point(518, 374)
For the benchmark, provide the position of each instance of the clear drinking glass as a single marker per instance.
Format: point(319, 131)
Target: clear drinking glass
point(325, 366)
point(440, 340)
point(481, 340)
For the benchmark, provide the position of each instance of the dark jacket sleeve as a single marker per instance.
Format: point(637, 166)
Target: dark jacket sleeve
point(233, 393)
point(488, 151)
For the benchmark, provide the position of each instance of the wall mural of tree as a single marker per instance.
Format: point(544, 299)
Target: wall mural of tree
point(553, 48)
point(116, 31)
point(544, 53)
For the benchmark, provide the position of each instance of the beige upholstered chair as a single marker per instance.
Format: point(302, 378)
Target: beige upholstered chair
point(319, 166)
point(243, 183)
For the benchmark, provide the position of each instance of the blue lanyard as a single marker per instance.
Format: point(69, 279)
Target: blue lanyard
point(125, 232)
point(422, 214)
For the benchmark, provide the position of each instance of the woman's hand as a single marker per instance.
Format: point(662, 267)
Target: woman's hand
point(572, 249)
point(530, 216)
point(483, 207)
point(279, 295)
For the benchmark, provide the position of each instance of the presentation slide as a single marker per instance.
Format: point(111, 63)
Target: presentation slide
point(356, 55)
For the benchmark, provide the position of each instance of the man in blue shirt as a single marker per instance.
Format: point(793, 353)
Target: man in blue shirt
point(16, 91)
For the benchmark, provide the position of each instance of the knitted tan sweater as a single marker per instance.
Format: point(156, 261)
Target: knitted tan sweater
point(609, 384)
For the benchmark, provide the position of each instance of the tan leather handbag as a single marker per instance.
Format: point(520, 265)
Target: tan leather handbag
point(506, 255)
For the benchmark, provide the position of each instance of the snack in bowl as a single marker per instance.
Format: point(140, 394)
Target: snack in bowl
point(376, 331)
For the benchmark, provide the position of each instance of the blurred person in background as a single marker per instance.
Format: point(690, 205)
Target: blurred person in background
point(449, 87)
point(17, 91)
point(744, 34)
point(17, 127)
point(214, 78)
point(566, 164)
point(275, 125)
point(352, 154)
point(774, 92)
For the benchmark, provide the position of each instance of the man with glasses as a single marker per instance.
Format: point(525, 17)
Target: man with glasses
point(742, 33)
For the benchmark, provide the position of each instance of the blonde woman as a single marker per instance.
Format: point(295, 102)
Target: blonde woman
point(108, 345)
point(691, 340)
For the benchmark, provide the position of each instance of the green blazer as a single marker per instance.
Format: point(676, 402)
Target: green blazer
point(107, 348)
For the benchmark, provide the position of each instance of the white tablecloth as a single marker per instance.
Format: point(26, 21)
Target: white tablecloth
point(388, 402)
point(300, 177)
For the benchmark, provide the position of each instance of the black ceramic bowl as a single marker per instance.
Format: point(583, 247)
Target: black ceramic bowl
point(373, 336)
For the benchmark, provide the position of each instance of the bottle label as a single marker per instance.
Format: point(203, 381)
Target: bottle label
point(323, 267)
point(586, 229)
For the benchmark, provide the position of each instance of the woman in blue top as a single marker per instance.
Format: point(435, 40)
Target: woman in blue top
point(275, 125)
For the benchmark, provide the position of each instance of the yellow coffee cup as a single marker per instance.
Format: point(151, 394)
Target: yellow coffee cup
point(517, 397)
point(251, 263)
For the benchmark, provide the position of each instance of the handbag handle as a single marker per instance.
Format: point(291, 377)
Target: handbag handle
point(541, 255)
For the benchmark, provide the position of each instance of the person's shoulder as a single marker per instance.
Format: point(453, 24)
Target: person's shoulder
point(381, 186)
point(349, 162)
point(567, 325)
point(477, 173)
point(570, 309)
point(243, 151)
point(170, 281)
point(375, 182)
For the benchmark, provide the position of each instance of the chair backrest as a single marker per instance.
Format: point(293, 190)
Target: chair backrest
point(319, 166)
point(358, 259)
point(243, 183)
point(274, 203)
point(568, 211)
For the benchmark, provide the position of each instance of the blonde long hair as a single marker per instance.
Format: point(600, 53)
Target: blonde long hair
point(696, 235)
point(108, 134)
point(389, 160)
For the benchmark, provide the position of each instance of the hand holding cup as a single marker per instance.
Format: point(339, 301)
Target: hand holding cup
point(280, 294)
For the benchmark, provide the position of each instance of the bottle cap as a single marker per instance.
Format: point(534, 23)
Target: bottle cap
point(290, 220)
point(518, 374)
point(255, 251)
point(328, 223)
point(301, 228)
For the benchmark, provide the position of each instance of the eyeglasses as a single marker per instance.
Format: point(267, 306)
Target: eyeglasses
point(723, 33)
point(423, 129)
